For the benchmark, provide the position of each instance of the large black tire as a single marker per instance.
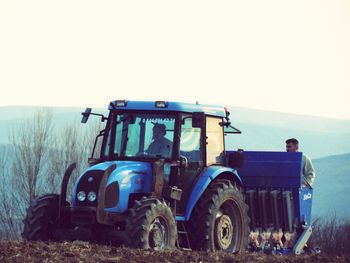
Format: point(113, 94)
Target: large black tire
point(151, 225)
point(41, 220)
point(219, 221)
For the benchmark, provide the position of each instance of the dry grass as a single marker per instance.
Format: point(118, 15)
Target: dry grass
point(332, 235)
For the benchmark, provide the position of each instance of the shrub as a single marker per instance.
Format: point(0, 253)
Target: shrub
point(332, 235)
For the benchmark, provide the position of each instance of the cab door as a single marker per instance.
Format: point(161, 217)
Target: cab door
point(192, 154)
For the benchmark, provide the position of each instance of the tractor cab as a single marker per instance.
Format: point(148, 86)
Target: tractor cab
point(184, 139)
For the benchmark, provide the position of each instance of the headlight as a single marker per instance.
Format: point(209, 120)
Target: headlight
point(81, 196)
point(92, 196)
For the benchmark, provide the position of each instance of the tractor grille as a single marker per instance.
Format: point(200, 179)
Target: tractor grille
point(90, 182)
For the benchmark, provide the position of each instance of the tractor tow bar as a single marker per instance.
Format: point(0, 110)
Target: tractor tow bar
point(302, 240)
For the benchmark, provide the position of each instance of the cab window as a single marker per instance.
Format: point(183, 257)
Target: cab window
point(215, 141)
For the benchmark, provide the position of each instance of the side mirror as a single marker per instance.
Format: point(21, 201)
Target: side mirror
point(86, 115)
point(198, 120)
point(236, 159)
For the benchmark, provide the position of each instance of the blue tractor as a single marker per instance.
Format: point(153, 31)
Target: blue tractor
point(160, 177)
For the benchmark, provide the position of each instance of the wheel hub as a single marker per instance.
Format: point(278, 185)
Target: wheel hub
point(157, 235)
point(224, 231)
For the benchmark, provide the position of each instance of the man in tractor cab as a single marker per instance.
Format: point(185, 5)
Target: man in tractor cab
point(309, 175)
point(160, 145)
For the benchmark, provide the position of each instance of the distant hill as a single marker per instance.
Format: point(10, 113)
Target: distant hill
point(262, 130)
point(12, 116)
point(332, 185)
point(267, 131)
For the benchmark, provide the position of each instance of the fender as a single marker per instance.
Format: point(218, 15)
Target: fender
point(207, 176)
point(64, 185)
point(102, 216)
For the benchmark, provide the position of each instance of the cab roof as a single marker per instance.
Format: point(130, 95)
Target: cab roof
point(213, 110)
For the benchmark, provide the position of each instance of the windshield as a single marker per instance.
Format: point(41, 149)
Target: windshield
point(140, 134)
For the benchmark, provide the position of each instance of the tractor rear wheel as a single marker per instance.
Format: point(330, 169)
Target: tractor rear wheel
point(219, 221)
point(41, 220)
point(151, 225)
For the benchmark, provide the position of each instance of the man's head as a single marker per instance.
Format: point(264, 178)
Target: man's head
point(159, 130)
point(292, 145)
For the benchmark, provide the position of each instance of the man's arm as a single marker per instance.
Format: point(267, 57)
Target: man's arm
point(308, 172)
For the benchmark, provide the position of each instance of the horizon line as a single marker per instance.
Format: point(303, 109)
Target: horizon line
point(231, 106)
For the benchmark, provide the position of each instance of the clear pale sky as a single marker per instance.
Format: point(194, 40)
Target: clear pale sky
point(288, 56)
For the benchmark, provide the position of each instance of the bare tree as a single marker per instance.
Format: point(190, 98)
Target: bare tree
point(88, 138)
point(39, 157)
point(66, 149)
point(3, 194)
point(10, 207)
point(73, 144)
point(31, 140)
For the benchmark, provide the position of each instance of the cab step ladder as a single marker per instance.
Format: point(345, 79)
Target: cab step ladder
point(182, 234)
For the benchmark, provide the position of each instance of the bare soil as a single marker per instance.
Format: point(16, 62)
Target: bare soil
point(78, 251)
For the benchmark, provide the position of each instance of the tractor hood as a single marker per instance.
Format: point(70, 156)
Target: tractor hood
point(127, 178)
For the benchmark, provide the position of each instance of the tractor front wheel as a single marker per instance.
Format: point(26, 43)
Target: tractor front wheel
point(151, 225)
point(41, 220)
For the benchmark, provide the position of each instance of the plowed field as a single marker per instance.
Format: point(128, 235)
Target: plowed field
point(87, 252)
